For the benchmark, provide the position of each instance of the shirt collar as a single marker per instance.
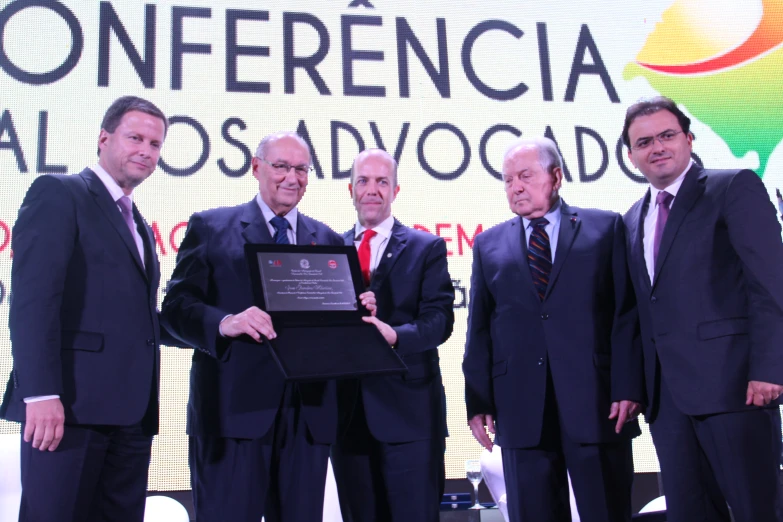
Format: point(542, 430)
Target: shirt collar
point(115, 191)
point(291, 216)
point(384, 228)
point(671, 189)
point(553, 215)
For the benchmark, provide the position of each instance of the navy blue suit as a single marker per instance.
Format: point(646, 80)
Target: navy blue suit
point(388, 460)
point(84, 326)
point(549, 370)
point(250, 431)
point(712, 320)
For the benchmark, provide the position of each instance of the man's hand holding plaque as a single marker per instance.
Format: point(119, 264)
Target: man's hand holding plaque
point(253, 322)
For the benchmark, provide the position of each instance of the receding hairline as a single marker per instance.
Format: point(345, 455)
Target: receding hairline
point(272, 138)
point(368, 153)
point(545, 148)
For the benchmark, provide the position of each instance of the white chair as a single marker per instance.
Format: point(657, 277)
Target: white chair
point(160, 508)
point(10, 477)
point(492, 471)
point(331, 500)
point(656, 504)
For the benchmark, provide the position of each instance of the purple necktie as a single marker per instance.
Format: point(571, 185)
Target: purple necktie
point(126, 207)
point(664, 199)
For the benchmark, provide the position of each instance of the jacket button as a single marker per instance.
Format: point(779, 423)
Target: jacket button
point(544, 316)
point(541, 361)
point(150, 342)
point(653, 299)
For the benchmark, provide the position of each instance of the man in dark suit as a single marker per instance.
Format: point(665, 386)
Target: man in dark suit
point(705, 256)
point(258, 446)
point(84, 330)
point(552, 361)
point(388, 460)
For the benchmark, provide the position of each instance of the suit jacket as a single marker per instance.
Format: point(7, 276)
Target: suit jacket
point(83, 316)
point(415, 297)
point(236, 386)
point(585, 330)
point(713, 315)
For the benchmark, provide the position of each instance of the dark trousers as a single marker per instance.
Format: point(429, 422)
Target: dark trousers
point(707, 461)
point(280, 476)
point(96, 474)
point(387, 482)
point(537, 483)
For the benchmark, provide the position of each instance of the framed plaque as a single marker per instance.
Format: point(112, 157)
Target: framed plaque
point(311, 292)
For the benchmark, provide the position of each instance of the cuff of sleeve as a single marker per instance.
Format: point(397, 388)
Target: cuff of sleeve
point(28, 400)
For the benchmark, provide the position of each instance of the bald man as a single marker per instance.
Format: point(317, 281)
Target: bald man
point(388, 461)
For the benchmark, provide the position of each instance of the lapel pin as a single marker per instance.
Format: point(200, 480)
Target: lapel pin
point(312, 243)
point(388, 255)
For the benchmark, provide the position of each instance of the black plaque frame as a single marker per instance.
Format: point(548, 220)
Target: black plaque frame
point(328, 344)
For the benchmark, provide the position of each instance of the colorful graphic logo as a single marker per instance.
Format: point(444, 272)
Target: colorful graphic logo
point(332, 263)
point(304, 263)
point(722, 61)
point(275, 262)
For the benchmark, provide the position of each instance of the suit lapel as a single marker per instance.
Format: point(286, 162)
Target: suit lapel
point(692, 188)
point(304, 234)
point(254, 225)
point(397, 243)
point(148, 238)
point(517, 242)
point(636, 230)
point(569, 228)
point(111, 211)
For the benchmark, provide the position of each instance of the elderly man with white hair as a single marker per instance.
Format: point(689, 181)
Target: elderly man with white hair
point(552, 361)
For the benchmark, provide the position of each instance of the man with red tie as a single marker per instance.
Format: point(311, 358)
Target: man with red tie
point(388, 461)
point(705, 256)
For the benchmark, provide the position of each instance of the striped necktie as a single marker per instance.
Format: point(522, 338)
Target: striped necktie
point(539, 256)
point(281, 230)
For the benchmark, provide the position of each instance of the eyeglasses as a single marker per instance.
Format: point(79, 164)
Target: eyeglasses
point(282, 168)
point(664, 137)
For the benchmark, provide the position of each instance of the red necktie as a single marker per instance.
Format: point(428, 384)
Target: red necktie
point(365, 255)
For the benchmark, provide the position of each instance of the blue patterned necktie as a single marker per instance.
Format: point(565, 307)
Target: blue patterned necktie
point(539, 256)
point(281, 230)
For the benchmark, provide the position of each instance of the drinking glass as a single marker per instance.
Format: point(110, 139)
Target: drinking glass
point(473, 473)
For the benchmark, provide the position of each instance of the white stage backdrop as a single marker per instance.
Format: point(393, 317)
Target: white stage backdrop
point(444, 86)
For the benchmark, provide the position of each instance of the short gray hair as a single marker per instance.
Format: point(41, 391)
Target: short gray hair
point(269, 138)
point(548, 154)
point(393, 161)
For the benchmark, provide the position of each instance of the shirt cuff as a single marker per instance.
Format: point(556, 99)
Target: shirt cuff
point(220, 325)
point(40, 398)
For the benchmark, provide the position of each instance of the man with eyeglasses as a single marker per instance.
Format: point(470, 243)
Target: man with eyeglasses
point(705, 256)
point(258, 446)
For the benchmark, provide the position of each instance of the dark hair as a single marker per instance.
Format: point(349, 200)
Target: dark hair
point(125, 104)
point(645, 107)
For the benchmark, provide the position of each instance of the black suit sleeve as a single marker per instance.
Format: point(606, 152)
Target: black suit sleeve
point(43, 242)
point(627, 379)
point(435, 318)
point(477, 362)
point(754, 233)
point(186, 311)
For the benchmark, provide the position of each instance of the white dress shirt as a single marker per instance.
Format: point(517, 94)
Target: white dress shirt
point(552, 228)
point(652, 218)
point(115, 191)
point(269, 214)
point(377, 243)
